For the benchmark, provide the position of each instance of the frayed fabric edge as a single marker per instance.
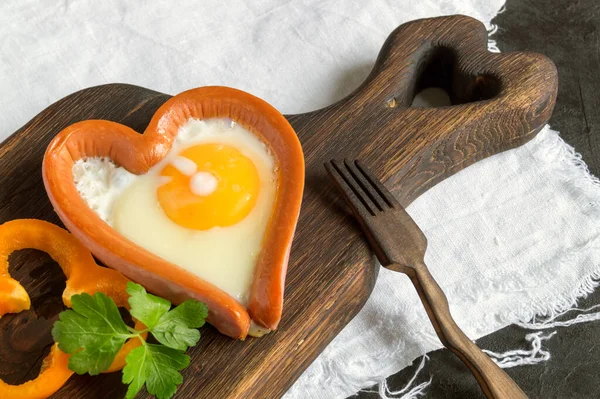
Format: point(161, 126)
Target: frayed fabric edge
point(550, 317)
point(586, 185)
point(522, 357)
point(408, 392)
point(537, 354)
point(491, 44)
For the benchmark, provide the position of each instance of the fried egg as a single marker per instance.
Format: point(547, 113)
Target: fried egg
point(204, 207)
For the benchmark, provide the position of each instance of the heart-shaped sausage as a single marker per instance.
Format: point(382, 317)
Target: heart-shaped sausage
point(138, 153)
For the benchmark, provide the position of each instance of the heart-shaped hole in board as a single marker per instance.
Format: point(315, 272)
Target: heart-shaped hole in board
point(440, 82)
point(138, 153)
point(451, 54)
point(439, 68)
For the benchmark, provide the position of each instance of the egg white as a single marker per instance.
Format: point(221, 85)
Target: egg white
point(223, 256)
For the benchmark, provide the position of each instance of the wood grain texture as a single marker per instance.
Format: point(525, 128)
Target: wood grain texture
point(501, 101)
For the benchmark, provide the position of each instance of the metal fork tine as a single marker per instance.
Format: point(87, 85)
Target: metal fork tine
point(351, 191)
point(384, 192)
point(367, 186)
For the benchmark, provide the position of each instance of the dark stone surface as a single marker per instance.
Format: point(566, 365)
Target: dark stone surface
point(568, 33)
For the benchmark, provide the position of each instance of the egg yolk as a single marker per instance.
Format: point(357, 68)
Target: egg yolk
point(208, 185)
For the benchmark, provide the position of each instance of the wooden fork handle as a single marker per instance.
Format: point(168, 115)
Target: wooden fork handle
point(494, 382)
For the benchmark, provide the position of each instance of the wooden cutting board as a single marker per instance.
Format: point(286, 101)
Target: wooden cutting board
point(500, 102)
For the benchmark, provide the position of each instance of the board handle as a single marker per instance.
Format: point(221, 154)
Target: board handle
point(458, 44)
point(499, 101)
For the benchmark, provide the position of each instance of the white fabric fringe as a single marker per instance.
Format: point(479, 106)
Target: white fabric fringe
point(492, 46)
point(537, 354)
point(522, 357)
point(408, 392)
point(512, 358)
point(551, 321)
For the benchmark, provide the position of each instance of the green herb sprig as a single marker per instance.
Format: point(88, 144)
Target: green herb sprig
point(93, 332)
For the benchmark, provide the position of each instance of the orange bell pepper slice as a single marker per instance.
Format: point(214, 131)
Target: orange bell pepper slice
point(83, 275)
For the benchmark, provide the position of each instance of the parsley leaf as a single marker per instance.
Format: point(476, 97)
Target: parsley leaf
point(162, 376)
point(93, 332)
point(156, 366)
point(145, 307)
point(177, 329)
point(134, 372)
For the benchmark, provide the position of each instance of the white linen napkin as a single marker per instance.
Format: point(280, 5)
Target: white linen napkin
point(513, 236)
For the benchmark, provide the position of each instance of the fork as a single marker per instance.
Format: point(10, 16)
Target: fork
point(400, 245)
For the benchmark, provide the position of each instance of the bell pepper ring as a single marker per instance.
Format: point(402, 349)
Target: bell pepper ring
point(83, 275)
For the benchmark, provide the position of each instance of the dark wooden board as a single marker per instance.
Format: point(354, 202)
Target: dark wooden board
point(501, 101)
